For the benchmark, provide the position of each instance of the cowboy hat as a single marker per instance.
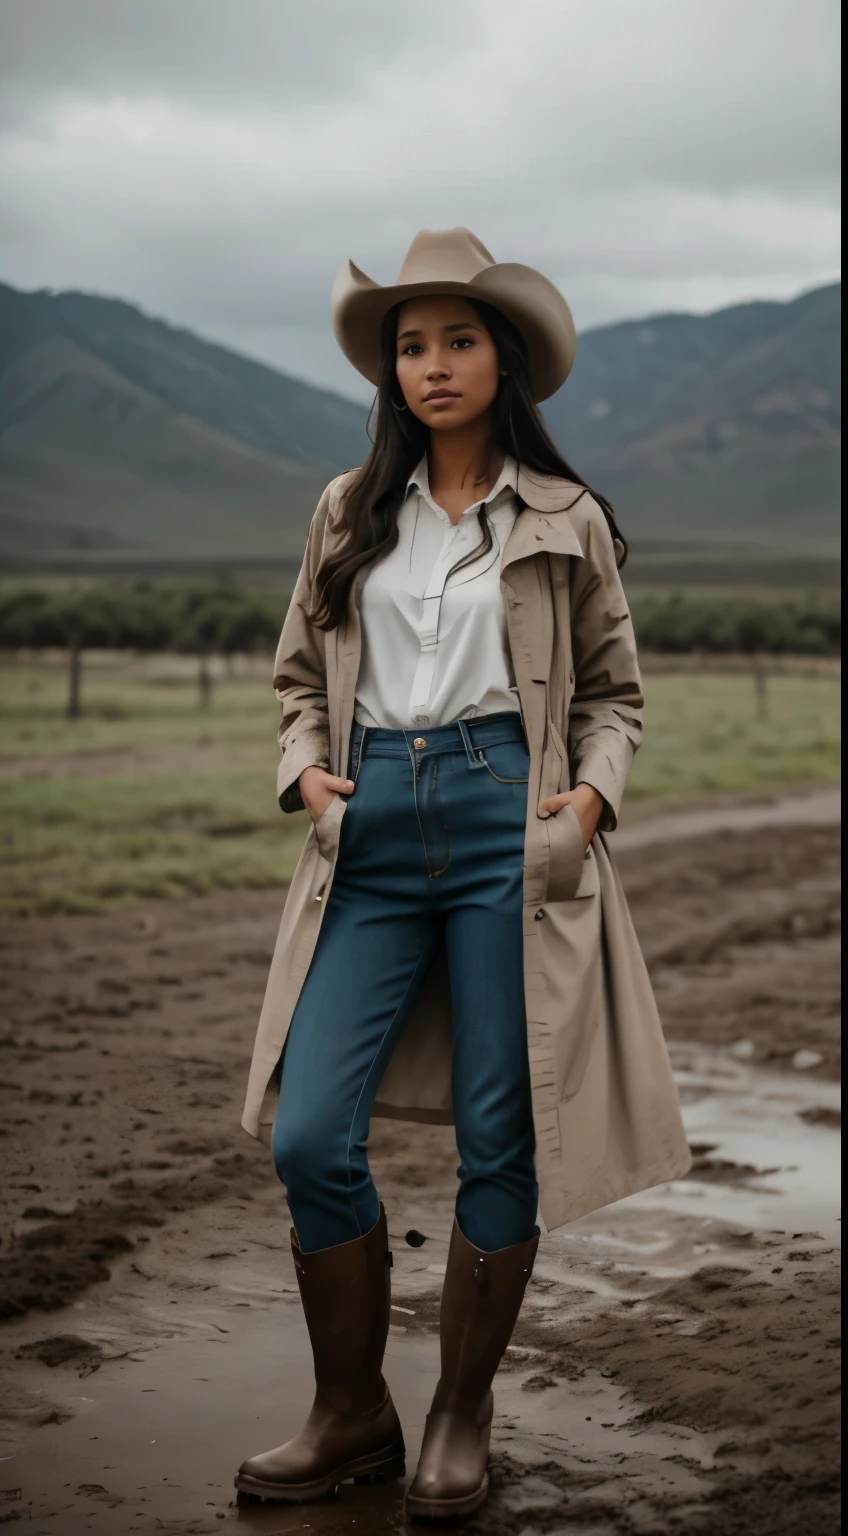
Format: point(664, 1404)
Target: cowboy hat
point(455, 261)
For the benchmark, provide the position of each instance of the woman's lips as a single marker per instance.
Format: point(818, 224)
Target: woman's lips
point(440, 397)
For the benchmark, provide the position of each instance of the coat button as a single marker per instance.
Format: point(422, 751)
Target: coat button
point(539, 915)
point(419, 742)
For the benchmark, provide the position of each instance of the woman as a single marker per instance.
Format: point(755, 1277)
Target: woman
point(460, 705)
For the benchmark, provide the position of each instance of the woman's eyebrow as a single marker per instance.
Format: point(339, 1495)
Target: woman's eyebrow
point(460, 325)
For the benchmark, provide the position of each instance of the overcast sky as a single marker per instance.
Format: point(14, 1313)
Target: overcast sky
point(216, 160)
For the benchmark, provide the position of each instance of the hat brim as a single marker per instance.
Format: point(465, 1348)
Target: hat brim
point(536, 308)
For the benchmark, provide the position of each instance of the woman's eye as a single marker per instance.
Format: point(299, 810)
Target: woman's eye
point(462, 341)
point(411, 350)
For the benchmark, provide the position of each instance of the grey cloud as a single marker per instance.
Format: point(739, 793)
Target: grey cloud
point(211, 53)
point(216, 160)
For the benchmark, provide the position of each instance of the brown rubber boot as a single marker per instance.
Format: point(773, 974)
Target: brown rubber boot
point(352, 1430)
point(481, 1300)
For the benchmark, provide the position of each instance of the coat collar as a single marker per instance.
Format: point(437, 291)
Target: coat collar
point(534, 531)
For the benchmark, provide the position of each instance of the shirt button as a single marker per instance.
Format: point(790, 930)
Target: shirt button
point(539, 915)
point(419, 742)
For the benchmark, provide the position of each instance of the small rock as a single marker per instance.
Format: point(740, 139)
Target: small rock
point(803, 1060)
point(537, 1383)
point(820, 1114)
point(743, 1049)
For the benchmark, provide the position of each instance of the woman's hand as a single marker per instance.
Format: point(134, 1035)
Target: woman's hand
point(317, 788)
point(586, 804)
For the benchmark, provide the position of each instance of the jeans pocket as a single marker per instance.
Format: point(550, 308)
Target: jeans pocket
point(508, 763)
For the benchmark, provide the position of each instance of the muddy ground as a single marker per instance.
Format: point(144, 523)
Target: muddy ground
point(676, 1365)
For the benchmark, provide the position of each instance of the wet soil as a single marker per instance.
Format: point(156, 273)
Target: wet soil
point(675, 1367)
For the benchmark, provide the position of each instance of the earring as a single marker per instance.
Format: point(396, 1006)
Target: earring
point(400, 407)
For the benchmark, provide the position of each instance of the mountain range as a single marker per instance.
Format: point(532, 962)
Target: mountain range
point(121, 433)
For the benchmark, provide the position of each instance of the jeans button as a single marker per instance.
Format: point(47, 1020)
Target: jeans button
point(419, 742)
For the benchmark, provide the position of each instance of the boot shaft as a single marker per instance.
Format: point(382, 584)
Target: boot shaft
point(346, 1296)
point(481, 1300)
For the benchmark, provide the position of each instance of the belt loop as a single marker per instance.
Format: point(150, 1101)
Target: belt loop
point(473, 762)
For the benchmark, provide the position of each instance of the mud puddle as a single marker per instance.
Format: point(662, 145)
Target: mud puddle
point(148, 1440)
point(154, 1442)
point(765, 1152)
point(153, 1445)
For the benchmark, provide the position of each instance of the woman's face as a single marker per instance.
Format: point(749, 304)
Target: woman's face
point(447, 365)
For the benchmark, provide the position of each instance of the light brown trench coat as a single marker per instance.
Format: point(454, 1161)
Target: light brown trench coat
point(605, 1108)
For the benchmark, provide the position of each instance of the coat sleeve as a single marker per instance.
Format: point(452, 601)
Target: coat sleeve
point(605, 719)
point(300, 677)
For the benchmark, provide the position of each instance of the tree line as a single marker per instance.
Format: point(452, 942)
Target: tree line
point(685, 623)
point(226, 620)
point(201, 621)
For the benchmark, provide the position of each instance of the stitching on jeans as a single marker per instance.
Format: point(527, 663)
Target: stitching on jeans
point(388, 1029)
point(525, 780)
point(436, 872)
point(417, 813)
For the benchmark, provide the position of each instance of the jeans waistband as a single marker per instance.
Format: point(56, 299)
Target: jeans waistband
point(484, 731)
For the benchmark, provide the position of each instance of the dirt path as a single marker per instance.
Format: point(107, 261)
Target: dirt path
point(675, 1369)
point(644, 826)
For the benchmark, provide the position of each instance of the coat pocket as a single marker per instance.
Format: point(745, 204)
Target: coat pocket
point(328, 828)
point(570, 865)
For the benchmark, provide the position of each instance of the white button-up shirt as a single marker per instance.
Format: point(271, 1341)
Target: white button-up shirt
point(434, 646)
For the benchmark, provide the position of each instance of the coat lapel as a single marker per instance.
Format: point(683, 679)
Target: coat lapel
point(535, 531)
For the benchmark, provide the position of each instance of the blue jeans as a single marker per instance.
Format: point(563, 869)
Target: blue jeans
point(431, 850)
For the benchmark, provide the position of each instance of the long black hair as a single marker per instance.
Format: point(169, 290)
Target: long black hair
point(368, 521)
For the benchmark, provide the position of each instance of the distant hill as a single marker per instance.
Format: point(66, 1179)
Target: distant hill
point(725, 426)
point(122, 433)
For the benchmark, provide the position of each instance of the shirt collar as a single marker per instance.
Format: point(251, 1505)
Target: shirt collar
point(507, 481)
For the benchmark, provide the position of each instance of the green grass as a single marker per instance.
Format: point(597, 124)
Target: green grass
point(77, 844)
point(702, 734)
point(149, 796)
point(131, 703)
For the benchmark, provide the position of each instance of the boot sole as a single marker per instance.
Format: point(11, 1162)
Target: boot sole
point(380, 1467)
point(419, 1508)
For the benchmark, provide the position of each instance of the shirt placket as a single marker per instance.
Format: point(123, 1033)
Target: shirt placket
point(428, 628)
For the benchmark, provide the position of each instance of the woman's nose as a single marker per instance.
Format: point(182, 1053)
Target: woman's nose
point(437, 367)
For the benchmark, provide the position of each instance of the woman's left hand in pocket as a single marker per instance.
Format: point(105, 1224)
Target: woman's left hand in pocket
point(586, 804)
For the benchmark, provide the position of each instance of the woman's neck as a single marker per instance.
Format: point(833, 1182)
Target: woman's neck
point(464, 461)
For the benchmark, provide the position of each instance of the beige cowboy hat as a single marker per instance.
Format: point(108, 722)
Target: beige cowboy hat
point(455, 261)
